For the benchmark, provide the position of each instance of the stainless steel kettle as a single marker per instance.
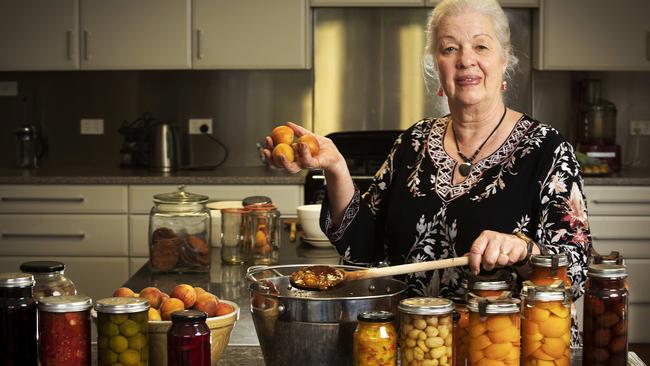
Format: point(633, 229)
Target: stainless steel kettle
point(29, 147)
point(164, 148)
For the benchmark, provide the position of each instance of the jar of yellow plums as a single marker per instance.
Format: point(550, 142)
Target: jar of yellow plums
point(546, 326)
point(122, 331)
point(494, 327)
point(375, 339)
point(549, 268)
point(426, 337)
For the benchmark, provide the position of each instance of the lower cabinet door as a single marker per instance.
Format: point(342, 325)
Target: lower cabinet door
point(135, 263)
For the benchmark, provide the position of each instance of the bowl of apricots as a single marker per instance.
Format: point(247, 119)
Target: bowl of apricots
point(222, 315)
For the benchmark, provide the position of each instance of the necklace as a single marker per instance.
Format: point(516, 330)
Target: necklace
point(466, 166)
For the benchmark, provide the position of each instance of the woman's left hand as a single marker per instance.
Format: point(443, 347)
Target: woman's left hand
point(493, 249)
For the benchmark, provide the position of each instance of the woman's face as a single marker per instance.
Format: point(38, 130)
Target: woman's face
point(469, 59)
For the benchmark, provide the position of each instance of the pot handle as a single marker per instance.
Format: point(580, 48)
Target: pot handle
point(250, 272)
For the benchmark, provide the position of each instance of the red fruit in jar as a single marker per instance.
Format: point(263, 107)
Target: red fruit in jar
point(618, 344)
point(596, 305)
point(600, 355)
point(620, 328)
point(607, 320)
point(602, 337)
point(223, 309)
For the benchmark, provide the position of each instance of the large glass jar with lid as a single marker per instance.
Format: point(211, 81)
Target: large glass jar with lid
point(179, 233)
point(426, 331)
point(50, 279)
point(18, 342)
point(494, 327)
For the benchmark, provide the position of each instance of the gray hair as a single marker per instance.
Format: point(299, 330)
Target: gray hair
point(490, 8)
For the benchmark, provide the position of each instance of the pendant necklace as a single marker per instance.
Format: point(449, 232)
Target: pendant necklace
point(466, 166)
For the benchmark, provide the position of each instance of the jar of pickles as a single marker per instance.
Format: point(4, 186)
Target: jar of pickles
point(494, 327)
point(546, 327)
point(18, 344)
point(549, 268)
point(426, 333)
point(64, 323)
point(265, 233)
point(122, 329)
point(179, 233)
point(606, 315)
point(49, 278)
point(375, 339)
point(188, 339)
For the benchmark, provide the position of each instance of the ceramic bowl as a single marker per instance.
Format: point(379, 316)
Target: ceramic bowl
point(309, 215)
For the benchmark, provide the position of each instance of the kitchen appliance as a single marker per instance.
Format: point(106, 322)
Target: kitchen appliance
point(30, 147)
point(297, 327)
point(164, 148)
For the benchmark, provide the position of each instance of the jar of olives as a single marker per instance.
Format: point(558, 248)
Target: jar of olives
point(375, 339)
point(122, 331)
point(49, 278)
point(494, 327)
point(426, 331)
point(549, 268)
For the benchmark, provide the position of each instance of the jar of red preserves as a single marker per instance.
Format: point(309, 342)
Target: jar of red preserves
point(18, 344)
point(188, 339)
point(64, 323)
point(605, 315)
point(549, 268)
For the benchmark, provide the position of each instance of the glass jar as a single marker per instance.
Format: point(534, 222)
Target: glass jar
point(179, 233)
point(49, 279)
point(484, 287)
point(460, 348)
point(64, 328)
point(605, 315)
point(122, 331)
point(375, 339)
point(426, 331)
point(235, 235)
point(18, 343)
point(613, 257)
point(546, 323)
point(188, 339)
point(265, 233)
point(549, 268)
point(493, 331)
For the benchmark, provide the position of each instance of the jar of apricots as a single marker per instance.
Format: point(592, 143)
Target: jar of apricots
point(605, 315)
point(485, 288)
point(426, 337)
point(375, 339)
point(460, 332)
point(549, 268)
point(493, 331)
point(546, 323)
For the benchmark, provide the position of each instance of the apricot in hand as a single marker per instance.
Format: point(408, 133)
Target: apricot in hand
point(282, 135)
point(310, 141)
point(282, 150)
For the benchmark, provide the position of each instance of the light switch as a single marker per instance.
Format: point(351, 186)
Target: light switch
point(92, 126)
point(8, 88)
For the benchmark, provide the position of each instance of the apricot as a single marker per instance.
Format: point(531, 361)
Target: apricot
point(169, 306)
point(261, 239)
point(554, 327)
point(153, 314)
point(539, 315)
point(185, 293)
point(282, 135)
point(123, 292)
point(513, 355)
point(509, 334)
point(488, 362)
point(498, 322)
point(199, 291)
point(531, 346)
point(477, 329)
point(311, 142)
point(564, 361)
point(479, 343)
point(561, 311)
point(539, 354)
point(553, 347)
point(529, 327)
point(282, 150)
point(207, 304)
point(153, 295)
point(497, 351)
point(475, 356)
point(223, 309)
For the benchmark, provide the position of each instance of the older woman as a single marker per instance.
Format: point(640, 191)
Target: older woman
point(481, 180)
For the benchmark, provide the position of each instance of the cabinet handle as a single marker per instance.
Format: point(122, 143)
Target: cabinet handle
point(43, 236)
point(86, 45)
point(621, 202)
point(199, 49)
point(69, 44)
point(647, 46)
point(44, 199)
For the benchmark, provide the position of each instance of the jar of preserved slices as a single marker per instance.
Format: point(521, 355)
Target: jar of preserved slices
point(606, 315)
point(426, 331)
point(49, 278)
point(122, 331)
point(265, 232)
point(460, 346)
point(188, 339)
point(549, 268)
point(64, 323)
point(494, 327)
point(375, 339)
point(18, 342)
point(546, 325)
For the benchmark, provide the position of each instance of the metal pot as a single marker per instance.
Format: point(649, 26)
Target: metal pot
point(297, 327)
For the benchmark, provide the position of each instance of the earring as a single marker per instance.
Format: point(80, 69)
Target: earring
point(504, 85)
point(440, 92)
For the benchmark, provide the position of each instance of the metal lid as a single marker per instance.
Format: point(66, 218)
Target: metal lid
point(180, 197)
point(191, 316)
point(64, 304)
point(256, 200)
point(16, 279)
point(488, 285)
point(544, 293)
point(547, 260)
point(607, 271)
point(500, 306)
point(378, 316)
point(426, 306)
point(42, 266)
point(120, 305)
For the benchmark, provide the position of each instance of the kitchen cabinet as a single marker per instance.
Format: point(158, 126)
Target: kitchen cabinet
point(367, 3)
point(592, 35)
point(503, 3)
point(234, 34)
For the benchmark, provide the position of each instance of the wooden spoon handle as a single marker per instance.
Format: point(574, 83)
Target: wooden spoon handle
point(407, 268)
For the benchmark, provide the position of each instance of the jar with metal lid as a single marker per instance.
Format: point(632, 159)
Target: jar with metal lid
point(613, 257)
point(122, 331)
point(49, 278)
point(460, 346)
point(549, 268)
point(179, 233)
point(375, 339)
point(18, 342)
point(546, 325)
point(482, 286)
point(188, 339)
point(426, 333)
point(64, 328)
point(265, 233)
point(494, 327)
point(606, 315)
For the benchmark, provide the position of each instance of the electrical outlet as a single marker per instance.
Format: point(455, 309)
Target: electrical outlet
point(8, 88)
point(640, 127)
point(92, 126)
point(194, 125)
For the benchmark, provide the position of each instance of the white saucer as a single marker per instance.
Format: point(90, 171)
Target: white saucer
point(316, 242)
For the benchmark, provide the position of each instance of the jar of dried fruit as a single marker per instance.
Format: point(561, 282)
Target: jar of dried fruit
point(179, 233)
point(493, 331)
point(426, 333)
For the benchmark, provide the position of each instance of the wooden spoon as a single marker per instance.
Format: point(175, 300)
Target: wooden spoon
point(320, 278)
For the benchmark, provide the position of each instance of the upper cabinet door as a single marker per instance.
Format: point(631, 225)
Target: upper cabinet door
point(38, 35)
point(251, 34)
point(503, 3)
point(143, 34)
point(367, 2)
point(592, 35)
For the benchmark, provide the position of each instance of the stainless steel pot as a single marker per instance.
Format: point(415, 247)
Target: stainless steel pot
point(297, 327)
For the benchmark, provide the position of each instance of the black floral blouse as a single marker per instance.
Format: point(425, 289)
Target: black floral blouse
point(413, 212)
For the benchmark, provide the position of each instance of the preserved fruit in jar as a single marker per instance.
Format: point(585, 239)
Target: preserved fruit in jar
point(606, 315)
point(426, 331)
point(64, 323)
point(549, 268)
point(375, 339)
point(18, 342)
point(484, 286)
point(122, 331)
point(546, 325)
point(460, 348)
point(188, 339)
point(49, 278)
point(494, 328)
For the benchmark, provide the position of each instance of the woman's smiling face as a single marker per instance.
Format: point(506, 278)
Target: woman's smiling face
point(470, 59)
